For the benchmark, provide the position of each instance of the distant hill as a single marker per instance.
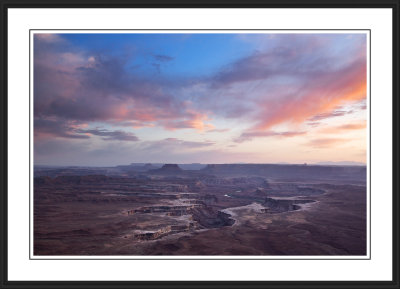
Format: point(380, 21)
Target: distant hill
point(316, 172)
point(343, 163)
point(167, 169)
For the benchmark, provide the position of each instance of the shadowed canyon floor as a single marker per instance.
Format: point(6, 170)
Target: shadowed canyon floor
point(207, 210)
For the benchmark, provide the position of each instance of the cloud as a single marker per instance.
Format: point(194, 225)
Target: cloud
point(163, 58)
point(330, 114)
point(289, 55)
point(344, 127)
point(160, 59)
point(170, 146)
point(353, 126)
point(322, 143)
point(286, 83)
point(219, 130)
point(246, 136)
point(82, 152)
point(133, 123)
point(110, 135)
point(288, 80)
point(48, 38)
point(45, 128)
point(187, 144)
point(300, 78)
point(77, 85)
point(320, 95)
point(258, 66)
point(157, 66)
point(193, 119)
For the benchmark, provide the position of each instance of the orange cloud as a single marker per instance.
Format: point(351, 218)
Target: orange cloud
point(195, 120)
point(345, 127)
point(322, 94)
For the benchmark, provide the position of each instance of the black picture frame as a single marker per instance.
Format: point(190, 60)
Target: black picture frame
point(7, 4)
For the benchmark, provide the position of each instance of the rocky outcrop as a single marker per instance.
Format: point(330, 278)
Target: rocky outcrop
point(167, 169)
point(172, 229)
point(170, 210)
point(260, 192)
point(206, 217)
point(197, 186)
point(209, 199)
point(279, 206)
point(212, 181)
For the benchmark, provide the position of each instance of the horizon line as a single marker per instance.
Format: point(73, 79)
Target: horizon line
point(326, 163)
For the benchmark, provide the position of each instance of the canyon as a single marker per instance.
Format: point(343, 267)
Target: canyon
point(213, 210)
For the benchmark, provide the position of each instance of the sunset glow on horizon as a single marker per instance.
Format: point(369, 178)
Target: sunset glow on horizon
point(111, 99)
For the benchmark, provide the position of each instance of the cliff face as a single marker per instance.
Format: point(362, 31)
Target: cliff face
point(206, 217)
point(274, 206)
point(171, 167)
point(358, 173)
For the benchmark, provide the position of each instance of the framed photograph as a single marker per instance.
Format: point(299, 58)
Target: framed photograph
point(197, 145)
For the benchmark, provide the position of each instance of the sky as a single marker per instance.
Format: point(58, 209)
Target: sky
point(113, 99)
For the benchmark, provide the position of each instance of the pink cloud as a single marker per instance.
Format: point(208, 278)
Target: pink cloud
point(48, 37)
point(195, 120)
point(76, 86)
point(219, 130)
point(326, 142)
point(320, 96)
